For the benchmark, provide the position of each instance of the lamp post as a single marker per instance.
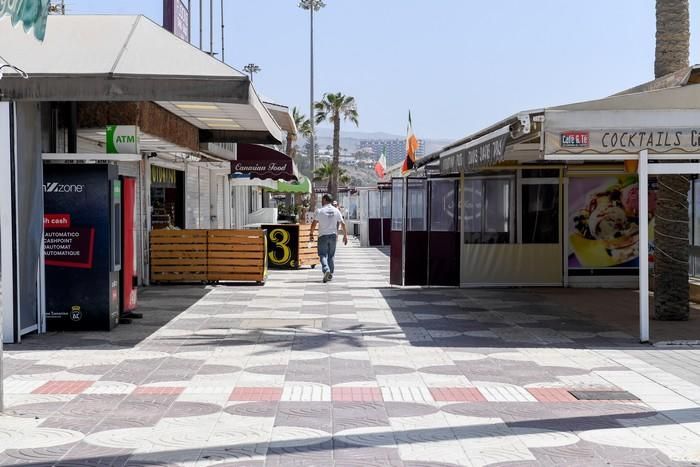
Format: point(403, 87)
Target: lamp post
point(251, 69)
point(312, 6)
point(223, 34)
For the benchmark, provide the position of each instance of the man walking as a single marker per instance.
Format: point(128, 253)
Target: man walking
point(327, 218)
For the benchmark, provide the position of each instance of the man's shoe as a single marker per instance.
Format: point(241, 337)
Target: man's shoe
point(327, 276)
point(330, 276)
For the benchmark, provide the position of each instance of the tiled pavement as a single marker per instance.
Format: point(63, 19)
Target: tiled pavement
point(351, 373)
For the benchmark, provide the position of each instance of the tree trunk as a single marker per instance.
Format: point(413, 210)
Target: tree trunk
point(290, 145)
point(336, 156)
point(671, 293)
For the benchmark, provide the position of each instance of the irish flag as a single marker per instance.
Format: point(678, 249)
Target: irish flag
point(411, 148)
point(380, 166)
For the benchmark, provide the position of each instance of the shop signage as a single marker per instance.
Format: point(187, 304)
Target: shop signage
point(163, 175)
point(610, 141)
point(278, 169)
point(31, 13)
point(176, 18)
point(122, 139)
point(484, 154)
point(575, 139)
point(283, 246)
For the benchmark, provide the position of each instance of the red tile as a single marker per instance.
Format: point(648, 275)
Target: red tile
point(158, 391)
point(457, 395)
point(350, 394)
point(256, 394)
point(551, 395)
point(63, 387)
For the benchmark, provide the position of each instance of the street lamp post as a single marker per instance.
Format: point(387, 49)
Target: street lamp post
point(312, 6)
point(251, 69)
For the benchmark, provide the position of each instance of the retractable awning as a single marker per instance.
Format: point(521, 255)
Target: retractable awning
point(264, 163)
point(303, 186)
point(661, 121)
point(112, 58)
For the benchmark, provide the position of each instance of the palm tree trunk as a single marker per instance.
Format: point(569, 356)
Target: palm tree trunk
point(671, 233)
point(290, 145)
point(336, 156)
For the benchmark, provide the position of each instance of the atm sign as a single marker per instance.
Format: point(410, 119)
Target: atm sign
point(57, 221)
point(576, 139)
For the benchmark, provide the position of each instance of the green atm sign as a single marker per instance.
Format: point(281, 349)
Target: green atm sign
point(122, 139)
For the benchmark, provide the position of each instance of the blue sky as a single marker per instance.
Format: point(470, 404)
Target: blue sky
point(459, 65)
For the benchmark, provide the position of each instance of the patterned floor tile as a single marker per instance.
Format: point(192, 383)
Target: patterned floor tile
point(348, 373)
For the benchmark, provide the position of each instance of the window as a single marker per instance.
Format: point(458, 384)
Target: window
point(397, 205)
point(540, 213)
point(442, 206)
point(386, 204)
point(374, 205)
point(487, 210)
point(417, 205)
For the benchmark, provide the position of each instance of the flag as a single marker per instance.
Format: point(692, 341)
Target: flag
point(380, 166)
point(411, 148)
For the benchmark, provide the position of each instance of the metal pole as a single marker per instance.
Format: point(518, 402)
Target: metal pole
point(223, 56)
point(312, 136)
point(643, 171)
point(404, 213)
point(189, 21)
point(200, 24)
point(211, 27)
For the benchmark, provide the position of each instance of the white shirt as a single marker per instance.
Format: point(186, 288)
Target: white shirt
point(328, 218)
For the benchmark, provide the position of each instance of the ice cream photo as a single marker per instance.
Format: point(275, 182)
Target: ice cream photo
point(604, 222)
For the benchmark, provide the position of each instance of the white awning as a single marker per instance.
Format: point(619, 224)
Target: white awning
point(131, 58)
point(665, 121)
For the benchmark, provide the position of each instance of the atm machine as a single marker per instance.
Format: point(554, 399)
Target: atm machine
point(82, 246)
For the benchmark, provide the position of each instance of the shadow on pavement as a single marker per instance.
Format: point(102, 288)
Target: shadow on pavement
point(158, 305)
point(378, 437)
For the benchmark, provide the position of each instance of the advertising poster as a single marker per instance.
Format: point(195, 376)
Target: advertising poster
point(604, 223)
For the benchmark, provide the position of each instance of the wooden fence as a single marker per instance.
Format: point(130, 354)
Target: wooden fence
point(208, 256)
point(308, 250)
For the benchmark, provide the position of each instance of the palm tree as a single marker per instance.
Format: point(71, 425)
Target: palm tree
point(671, 294)
point(325, 174)
point(303, 126)
point(331, 108)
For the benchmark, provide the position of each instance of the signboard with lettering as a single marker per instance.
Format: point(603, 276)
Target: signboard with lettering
point(122, 139)
point(575, 139)
point(621, 141)
point(283, 246)
point(281, 169)
point(176, 18)
point(485, 154)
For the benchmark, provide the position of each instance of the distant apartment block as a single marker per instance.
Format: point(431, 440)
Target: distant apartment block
point(395, 149)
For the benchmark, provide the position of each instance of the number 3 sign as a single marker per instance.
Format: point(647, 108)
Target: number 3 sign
point(284, 246)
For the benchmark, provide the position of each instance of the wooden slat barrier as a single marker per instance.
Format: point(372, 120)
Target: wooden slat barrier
point(308, 250)
point(237, 255)
point(208, 255)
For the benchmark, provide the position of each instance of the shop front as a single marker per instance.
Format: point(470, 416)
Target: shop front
point(289, 242)
point(167, 198)
point(62, 117)
point(563, 196)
